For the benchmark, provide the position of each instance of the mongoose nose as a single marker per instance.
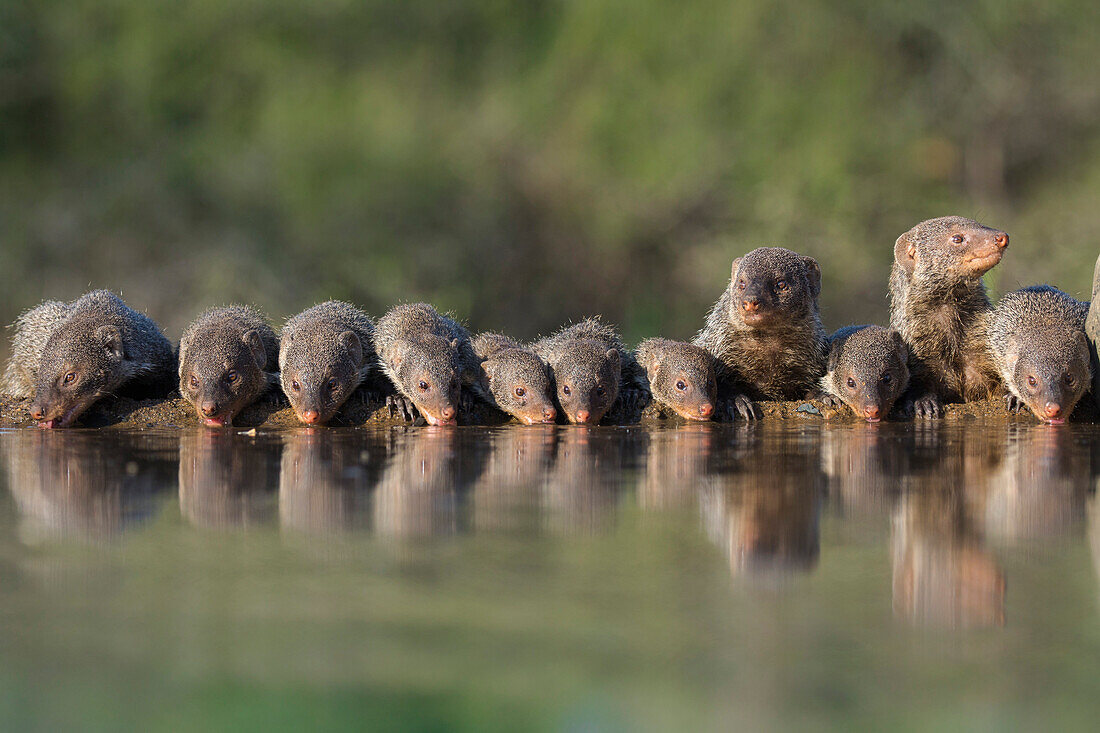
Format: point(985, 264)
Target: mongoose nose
point(706, 409)
point(1001, 240)
point(1052, 409)
point(749, 305)
point(37, 412)
point(209, 409)
point(447, 412)
point(871, 412)
point(310, 416)
point(582, 415)
point(549, 414)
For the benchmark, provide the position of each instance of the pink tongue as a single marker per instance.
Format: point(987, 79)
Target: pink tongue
point(214, 422)
point(47, 424)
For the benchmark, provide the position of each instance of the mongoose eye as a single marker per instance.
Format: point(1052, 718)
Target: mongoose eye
point(741, 285)
point(333, 384)
point(423, 386)
point(296, 386)
point(232, 377)
point(680, 385)
point(851, 383)
point(520, 391)
point(70, 378)
point(957, 238)
point(886, 378)
point(565, 389)
point(194, 382)
point(1068, 379)
point(1031, 381)
point(600, 391)
point(781, 286)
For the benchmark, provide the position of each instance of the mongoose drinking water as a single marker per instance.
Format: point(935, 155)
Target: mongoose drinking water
point(937, 299)
point(1036, 337)
point(683, 377)
point(591, 369)
point(867, 370)
point(68, 355)
point(429, 359)
point(325, 353)
point(228, 358)
point(518, 380)
point(765, 330)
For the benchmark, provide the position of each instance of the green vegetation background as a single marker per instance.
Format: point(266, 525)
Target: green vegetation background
point(529, 163)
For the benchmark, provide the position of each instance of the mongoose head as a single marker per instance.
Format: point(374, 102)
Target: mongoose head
point(222, 373)
point(868, 370)
point(771, 285)
point(520, 384)
point(681, 376)
point(77, 368)
point(427, 375)
point(587, 376)
point(1051, 370)
point(950, 248)
point(319, 372)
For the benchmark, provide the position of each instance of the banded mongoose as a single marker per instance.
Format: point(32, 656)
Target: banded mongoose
point(430, 361)
point(867, 370)
point(325, 353)
point(68, 355)
point(937, 299)
point(682, 377)
point(765, 330)
point(518, 380)
point(1037, 340)
point(591, 370)
point(228, 359)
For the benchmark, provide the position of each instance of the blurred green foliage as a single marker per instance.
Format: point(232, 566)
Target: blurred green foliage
point(529, 163)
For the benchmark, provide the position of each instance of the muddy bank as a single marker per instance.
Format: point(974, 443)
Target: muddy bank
point(369, 408)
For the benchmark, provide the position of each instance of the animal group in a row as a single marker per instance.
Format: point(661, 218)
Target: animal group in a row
point(762, 340)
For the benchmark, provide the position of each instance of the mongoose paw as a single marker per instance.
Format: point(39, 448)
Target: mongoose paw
point(927, 407)
point(631, 403)
point(401, 406)
point(741, 406)
point(830, 401)
point(1014, 403)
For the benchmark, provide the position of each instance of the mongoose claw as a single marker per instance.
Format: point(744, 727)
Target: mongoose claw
point(746, 408)
point(927, 407)
point(400, 406)
point(1014, 403)
point(830, 401)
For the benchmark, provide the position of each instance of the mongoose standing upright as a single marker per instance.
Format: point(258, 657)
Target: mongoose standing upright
point(765, 330)
point(1037, 340)
point(228, 359)
point(518, 380)
point(325, 353)
point(867, 370)
point(429, 359)
point(592, 370)
point(68, 355)
point(683, 377)
point(937, 299)
point(1092, 330)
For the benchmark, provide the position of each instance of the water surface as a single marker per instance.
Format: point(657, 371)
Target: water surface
point(778, 575)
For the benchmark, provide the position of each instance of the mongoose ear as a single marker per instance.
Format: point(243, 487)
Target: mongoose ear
point(111, 338)
point(256, 345)
point(351, 342)
point(613, 357)
point(813, 275)
point(1012, 353)
point(834, 359)
point(733, 268)
point(454, 344)
point(899, 342)
point(395, 355)
point(905, 252)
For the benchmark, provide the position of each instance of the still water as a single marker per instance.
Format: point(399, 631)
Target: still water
point(775, 576)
